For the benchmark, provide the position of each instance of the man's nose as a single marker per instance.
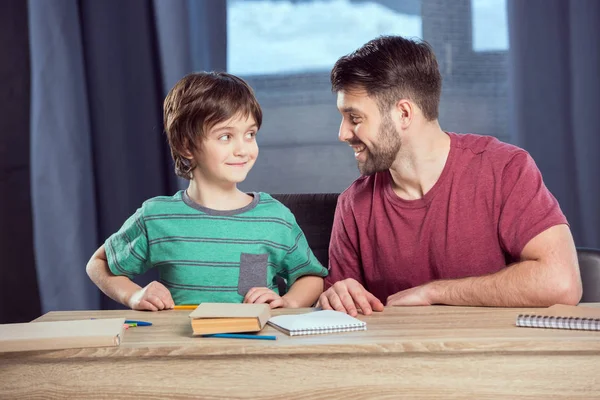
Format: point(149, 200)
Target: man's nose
point(345, 132)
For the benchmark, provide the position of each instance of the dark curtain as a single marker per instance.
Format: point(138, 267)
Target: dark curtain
point(100, 71)
point(19, 299)
point(554, 73)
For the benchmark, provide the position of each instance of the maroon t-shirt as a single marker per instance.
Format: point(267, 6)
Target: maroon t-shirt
point(488, 203)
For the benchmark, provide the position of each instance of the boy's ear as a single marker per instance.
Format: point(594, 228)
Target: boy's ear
point(185, 151)
point(187, 154)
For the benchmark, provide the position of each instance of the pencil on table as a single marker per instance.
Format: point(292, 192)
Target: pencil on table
point(186, 307)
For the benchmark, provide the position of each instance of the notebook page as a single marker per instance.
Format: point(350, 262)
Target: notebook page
point(561, 310)
point(314, 322)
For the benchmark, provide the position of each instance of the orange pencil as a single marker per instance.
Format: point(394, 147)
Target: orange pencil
point(186, 307)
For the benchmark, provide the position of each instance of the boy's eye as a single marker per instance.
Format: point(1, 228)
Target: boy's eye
point(224, 138)
point(250, 135)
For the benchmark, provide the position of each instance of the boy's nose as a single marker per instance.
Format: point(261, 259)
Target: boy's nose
point(240, 149)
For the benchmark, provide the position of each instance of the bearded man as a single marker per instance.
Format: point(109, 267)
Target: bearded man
point(436, 217)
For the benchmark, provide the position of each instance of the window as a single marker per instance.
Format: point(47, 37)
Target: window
point(490, 32)
point(274, 37)
point(285, 50)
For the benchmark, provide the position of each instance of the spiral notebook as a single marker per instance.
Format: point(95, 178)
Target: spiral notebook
point(317, 322)
point(561, 316)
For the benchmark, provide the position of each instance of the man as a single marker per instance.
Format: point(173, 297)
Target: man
point(436, 217)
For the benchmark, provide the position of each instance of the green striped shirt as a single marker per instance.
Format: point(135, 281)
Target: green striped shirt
point(206, 255)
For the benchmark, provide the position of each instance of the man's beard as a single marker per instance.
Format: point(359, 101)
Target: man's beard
point(382, 154)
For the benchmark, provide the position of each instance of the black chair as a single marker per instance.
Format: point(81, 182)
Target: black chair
point(314, 213)
point(589, 265)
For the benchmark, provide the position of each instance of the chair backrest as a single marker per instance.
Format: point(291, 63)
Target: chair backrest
point(589, 265)
point(314, 213)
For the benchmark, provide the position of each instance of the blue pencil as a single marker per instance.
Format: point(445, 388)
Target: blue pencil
point(139, 323)
point(241, 336)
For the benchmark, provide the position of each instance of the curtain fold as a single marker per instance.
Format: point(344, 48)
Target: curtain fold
point(62, 179)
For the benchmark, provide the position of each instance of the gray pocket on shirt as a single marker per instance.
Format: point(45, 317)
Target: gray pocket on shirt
point(253, 272)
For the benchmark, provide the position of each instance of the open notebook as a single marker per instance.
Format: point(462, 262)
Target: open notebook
point(53, 335)
point(317, 322)
point(561, 316)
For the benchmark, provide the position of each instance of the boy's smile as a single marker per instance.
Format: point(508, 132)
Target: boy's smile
point(242, 164)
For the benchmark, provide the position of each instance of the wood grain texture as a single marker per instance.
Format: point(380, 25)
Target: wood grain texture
point(424, 352)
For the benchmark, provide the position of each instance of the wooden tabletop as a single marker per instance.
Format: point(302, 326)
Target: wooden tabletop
point(433, 329)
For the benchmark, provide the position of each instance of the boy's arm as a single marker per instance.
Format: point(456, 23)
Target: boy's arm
point(304, 292)
point(153, 297)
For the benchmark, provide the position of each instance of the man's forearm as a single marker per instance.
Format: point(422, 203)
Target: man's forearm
point(523, 284)
point(305, 291)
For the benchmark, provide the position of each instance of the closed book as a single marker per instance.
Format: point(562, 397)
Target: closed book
point(210, 318)
point(317, 322)
point(562, 316)
point(54, 335)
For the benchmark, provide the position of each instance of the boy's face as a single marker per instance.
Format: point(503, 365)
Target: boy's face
point(228, 151)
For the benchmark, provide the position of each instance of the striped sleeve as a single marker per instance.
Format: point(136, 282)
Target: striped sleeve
point(127, 249)
point(300, 260)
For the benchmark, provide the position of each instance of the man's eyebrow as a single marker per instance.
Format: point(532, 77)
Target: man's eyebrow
point(350, 110)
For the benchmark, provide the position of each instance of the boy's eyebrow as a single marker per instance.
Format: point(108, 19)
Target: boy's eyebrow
point(224, 128)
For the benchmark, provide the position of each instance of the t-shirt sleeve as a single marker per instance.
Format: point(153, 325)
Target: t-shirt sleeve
point(344, 254)
point(300, 260)
point(127, 249)
point(528, 207)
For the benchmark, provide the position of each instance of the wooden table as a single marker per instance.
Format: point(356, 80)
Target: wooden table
point(420, 352)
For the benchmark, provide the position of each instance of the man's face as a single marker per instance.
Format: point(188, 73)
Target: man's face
point(373, 137)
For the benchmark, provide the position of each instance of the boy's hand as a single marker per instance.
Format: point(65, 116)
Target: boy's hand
point(261, 295)
point(155, 296)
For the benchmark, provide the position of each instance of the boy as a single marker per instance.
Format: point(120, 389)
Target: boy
point(211, 242)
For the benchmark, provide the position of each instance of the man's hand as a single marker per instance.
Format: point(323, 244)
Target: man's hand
point(416, 296)
point(155, 296)
point(262, 295)
point(349, 296)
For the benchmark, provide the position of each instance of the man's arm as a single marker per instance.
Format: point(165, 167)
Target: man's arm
point(344, 284)
point(547, 274)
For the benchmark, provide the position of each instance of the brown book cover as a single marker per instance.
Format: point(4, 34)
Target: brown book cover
point(210, 318)
point(561, 316)
point(54, 335)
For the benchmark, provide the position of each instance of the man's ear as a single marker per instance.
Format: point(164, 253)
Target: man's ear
point(404, 113)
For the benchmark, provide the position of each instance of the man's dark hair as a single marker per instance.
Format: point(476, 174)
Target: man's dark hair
point(390, 68)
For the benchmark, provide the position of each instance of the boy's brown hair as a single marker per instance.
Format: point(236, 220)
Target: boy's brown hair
point(198, 102)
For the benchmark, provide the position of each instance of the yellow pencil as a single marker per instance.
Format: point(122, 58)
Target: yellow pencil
point(186, 307)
